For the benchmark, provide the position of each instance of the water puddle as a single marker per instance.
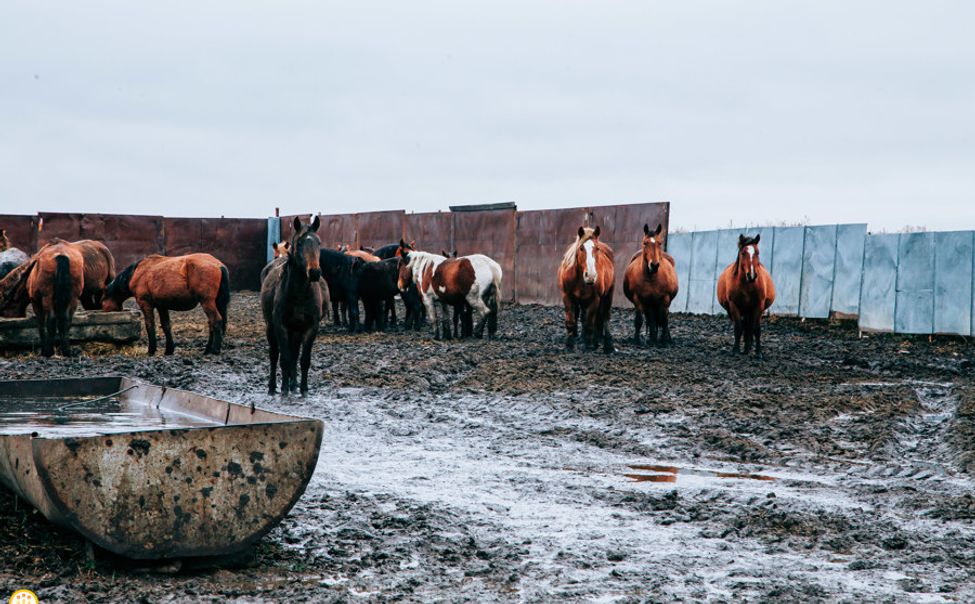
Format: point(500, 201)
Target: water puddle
point(671, 473)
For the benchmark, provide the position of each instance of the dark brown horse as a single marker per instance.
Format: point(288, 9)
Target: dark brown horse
point(54, 284)
point(650, 283)
point(14, 299)
point(746, 291)
point(180, 283)
point(292, 304)
point(586, 277)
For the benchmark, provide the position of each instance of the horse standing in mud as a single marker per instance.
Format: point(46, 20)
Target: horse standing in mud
point(291, 301)
point(443, 282)
point(746, 291)
point(586, 277)
point(54, 285)
point(164, 283)
point(650, 283)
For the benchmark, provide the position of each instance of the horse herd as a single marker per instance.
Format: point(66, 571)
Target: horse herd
point(303, 280)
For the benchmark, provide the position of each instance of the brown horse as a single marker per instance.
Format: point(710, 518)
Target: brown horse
point(13, 291)
point(362, 254)
point(291, 302)
point(179, 283)
point(54, 284)
point(586, 277)
point(650, 283)
point(4, 240)
point(745, 290)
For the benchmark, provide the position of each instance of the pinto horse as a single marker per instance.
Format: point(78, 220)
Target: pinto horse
point(54, 286)
point(164, 283)
point(586, 277)
point(443, 282)
point(746, 290)
point(291, 301)
point(650, 283)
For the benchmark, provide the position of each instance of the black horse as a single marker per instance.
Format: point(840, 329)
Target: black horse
point(341, 273)
point(292, 303)
point(377, 286)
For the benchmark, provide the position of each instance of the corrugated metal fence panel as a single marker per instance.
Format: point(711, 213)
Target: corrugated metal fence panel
point(58, 224)
point(273, 235)
point(877, 292)
point(491, 233)
point(335, 230)
point(21, 231)
point(818, 266)
point(182, 236)
point(953, 282)
point(786, 269)
point(376, 229)
point(621, 227)
point(543, 236)
point(727, 253)
point(239, 244)
point(700, 291)
point(130, 238)
point(849, 268)
point(914, 309)
point(432, 231)
point(679, 246)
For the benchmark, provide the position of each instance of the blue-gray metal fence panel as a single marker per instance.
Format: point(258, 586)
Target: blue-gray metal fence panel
point(679, 246)
point(877, 291)
point(700, 291)
point(818, 264)
point(727, 253)
point(849, 268)
point(787, 269)
point(953, 282)
point(273, 235)
point(914, 308)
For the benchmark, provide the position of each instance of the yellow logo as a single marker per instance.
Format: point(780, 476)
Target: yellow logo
point(24, 596)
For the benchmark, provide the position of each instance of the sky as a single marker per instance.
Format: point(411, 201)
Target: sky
point(738, 113)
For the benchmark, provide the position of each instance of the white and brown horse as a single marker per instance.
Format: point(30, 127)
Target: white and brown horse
point(443, 282)
point(650, 283)
point(586, 277)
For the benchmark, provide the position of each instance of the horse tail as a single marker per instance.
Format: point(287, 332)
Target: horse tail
point(62, 283)
point(223, 295)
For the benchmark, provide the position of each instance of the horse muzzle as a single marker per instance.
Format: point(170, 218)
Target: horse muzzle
point(654, 267)
point(314, 274)
point(751, 277)
point(588, 278)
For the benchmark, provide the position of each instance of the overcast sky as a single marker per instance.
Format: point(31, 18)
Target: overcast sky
point(737, 112)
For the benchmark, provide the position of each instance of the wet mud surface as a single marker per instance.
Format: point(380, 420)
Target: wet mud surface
point(839, 469)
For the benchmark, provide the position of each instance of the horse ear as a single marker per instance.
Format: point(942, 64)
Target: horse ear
point(596, 232)
point(646, 229)
point(757, 237)
point(413, 244)
point(315, 224)
point(296, 224)
point(402, 243)
point(660, 227)
point(582, 232)
point(455, 253)
point(741, 240)
point(274, 246)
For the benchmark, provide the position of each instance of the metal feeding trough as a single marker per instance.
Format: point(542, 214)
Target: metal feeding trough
point(150, 472)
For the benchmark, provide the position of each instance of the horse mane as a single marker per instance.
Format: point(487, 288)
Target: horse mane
point(119, 287)
point(570, 254)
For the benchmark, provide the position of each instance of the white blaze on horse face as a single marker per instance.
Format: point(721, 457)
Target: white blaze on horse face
point(652, 240)
point(751, 260)
point(590, 274)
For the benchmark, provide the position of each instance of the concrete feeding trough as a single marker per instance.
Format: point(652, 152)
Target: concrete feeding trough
point(149, 472)
point(122, 327)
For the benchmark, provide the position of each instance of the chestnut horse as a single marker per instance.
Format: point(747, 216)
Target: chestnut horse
point(650, 283)
point(443, 282)
point(586, 277)
point(54, 285)
point(745, 290)
point(164, 283)
point(13, 291)
point(291, 301)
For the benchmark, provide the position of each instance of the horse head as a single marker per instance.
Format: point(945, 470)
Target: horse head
point(403, 265)
point(587, 247)
point(653, 248)
point(304, 249)
point(748, 261)
point(281, 249)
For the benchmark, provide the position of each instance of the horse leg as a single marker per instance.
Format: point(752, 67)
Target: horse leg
point(306, 345)
point(748, 327)
point(605, 307)
point(591, 325)
point(147, 315)
point(391, 309)
point(444, 320)
point(652, 323)
point(758, 337)
point(294, 344)
point(272, 344)
point(430, 305)
point(475, 302)
point(663, 318)
point(352, 307)
point(216, 328)
point(64, 327)
point(47, 345)
point(571, 325)
point(167, 328)
point(637, 321)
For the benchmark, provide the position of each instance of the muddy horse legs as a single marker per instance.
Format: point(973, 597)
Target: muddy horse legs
point(167, 328)
point(571, 322)
point(150, 320)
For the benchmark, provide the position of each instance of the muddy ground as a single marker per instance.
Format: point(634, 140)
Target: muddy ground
point(509, 470)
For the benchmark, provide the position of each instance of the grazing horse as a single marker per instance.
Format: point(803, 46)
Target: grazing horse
point(746, 290)
point(54, 285)
point(291, 301)
point(474, 279)
point(586, 277)
point(650, 283)
point(164, 283)
point(14, 299)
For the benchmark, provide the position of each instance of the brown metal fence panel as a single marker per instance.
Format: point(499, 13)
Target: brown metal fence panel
point(432, 231)
point(376, 229)
point(239, 243)
point(543, 236)
point(336, 229)
point(621, 227)
point(288, 221)
point(64, 226)
point(129, 238)
point(21, 231)
point(491, 233)
point(182, 236)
